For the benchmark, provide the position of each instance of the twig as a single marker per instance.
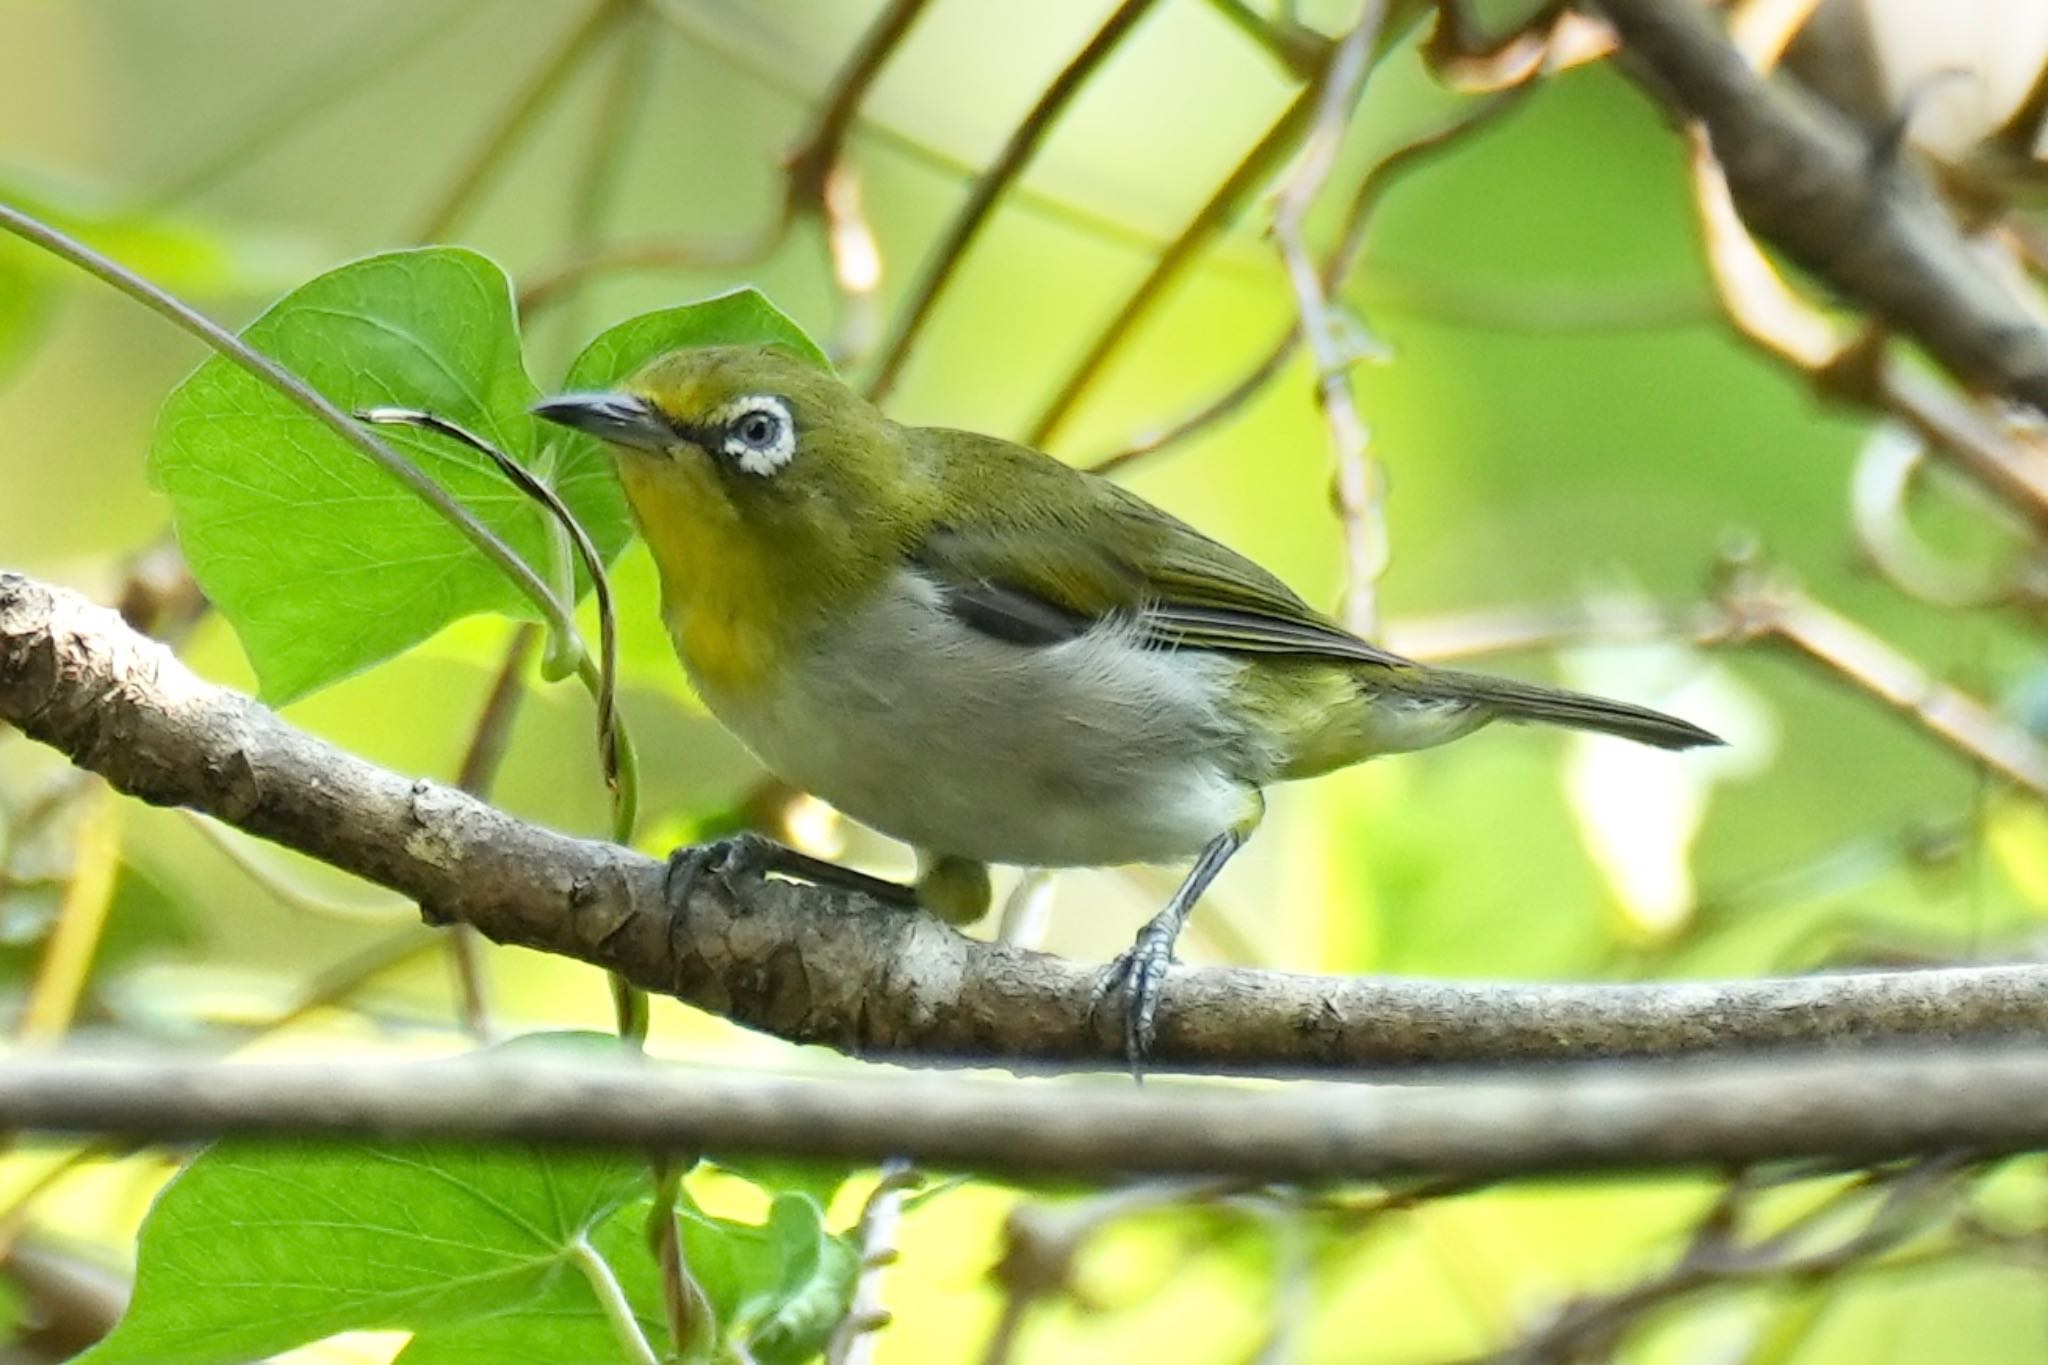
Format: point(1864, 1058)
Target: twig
point(810, 162)
point(1299, 49)
point(1768, 313)
point(816, 180)
point(774, 74)
point(853, 1340)
point(336, 75)
point(73, 939)
point(492, 733)
point(953, 245)
point(532, 100)
point(1805, 180)
point(827, 966)
point(1356, 483)
point(1778, 613)
point(1593, 1327)
point(1856, 1108)
point(1209, 220)
point(1041, 1243)
point(1372, 189)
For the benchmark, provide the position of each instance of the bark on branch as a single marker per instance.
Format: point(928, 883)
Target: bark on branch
point(817, 965)
point(1811, 184)
point(1583, 1117)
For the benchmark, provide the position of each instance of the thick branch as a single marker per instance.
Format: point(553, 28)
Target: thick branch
point(1871, 1107)
point(823, 966)
point(1808, 182)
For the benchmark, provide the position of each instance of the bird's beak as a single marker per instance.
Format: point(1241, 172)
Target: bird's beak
point(619, 418)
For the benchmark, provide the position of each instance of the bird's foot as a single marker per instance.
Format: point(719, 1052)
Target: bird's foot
point(1138, 974)
point(735, 857)
point(748, 856)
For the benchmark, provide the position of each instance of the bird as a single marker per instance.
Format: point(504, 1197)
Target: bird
point(997, 658)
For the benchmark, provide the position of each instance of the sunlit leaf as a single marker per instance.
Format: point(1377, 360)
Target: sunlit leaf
point(563, 1323)
point(777, 1288)
point(742, 318)
point(323, 562)
point(260, 1246)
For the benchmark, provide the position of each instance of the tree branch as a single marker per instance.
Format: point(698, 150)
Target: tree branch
point(1875, 1106)
point(817, 965)
point(1809, 183)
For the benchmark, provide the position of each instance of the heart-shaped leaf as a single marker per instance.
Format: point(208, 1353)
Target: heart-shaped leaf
point(323, 562)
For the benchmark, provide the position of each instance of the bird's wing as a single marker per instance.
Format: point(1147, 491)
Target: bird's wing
point(1041, 565)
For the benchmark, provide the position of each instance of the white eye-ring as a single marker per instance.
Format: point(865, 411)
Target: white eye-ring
point(759, 433)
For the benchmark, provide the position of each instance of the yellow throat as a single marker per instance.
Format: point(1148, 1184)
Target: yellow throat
point(718, 581)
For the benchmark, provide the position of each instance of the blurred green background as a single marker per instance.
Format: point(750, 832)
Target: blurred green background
point(1560, 414)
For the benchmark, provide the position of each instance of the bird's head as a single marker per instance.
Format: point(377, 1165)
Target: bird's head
point(751, 470)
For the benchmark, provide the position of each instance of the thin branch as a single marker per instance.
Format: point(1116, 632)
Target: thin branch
point(621, 107)
point(73, 940)
point(773, 73)
point(1356, 484)
point(954, 244)
point(819, 965)
point(1299, 49)
point(1767, 312)
point(1596, 1326)
point(1387, 172)
point(1807, 181)
point(1209, 220)
point(823, 144)
point(1775, 612)
point(340, 72)
point(853, 1340)
point(540, 90)
point(1866, 1106)
point(613, 749)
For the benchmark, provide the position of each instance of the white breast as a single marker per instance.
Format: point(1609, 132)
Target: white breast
point(1090, 752)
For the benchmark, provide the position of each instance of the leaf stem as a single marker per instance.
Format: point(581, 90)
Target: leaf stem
point(300, 392)
point(616, 755)
point(612, 1298)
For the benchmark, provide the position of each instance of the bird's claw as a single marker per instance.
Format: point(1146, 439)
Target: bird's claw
point(742, 855)
point(1139, 975)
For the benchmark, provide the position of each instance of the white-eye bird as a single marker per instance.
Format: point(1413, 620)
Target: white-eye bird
point(995, 657)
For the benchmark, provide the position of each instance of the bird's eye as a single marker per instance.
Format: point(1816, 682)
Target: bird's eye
point(760, 435)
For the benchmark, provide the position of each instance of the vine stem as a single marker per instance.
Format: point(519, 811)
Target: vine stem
point(611, 1296)
point(309, 399)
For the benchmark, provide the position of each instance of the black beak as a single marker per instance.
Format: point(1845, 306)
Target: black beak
point(619, 418)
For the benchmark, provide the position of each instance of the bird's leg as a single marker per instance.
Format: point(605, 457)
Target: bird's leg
point(1139, 972)
point(748, 854)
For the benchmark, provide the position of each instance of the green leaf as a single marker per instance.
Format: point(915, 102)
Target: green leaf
point(742, 318)
point(257, 1247)
point(325, 564)
point(777, 1289)
point(565, 1323)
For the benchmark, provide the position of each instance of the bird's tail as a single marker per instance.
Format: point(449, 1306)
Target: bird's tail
point(1508, 699)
